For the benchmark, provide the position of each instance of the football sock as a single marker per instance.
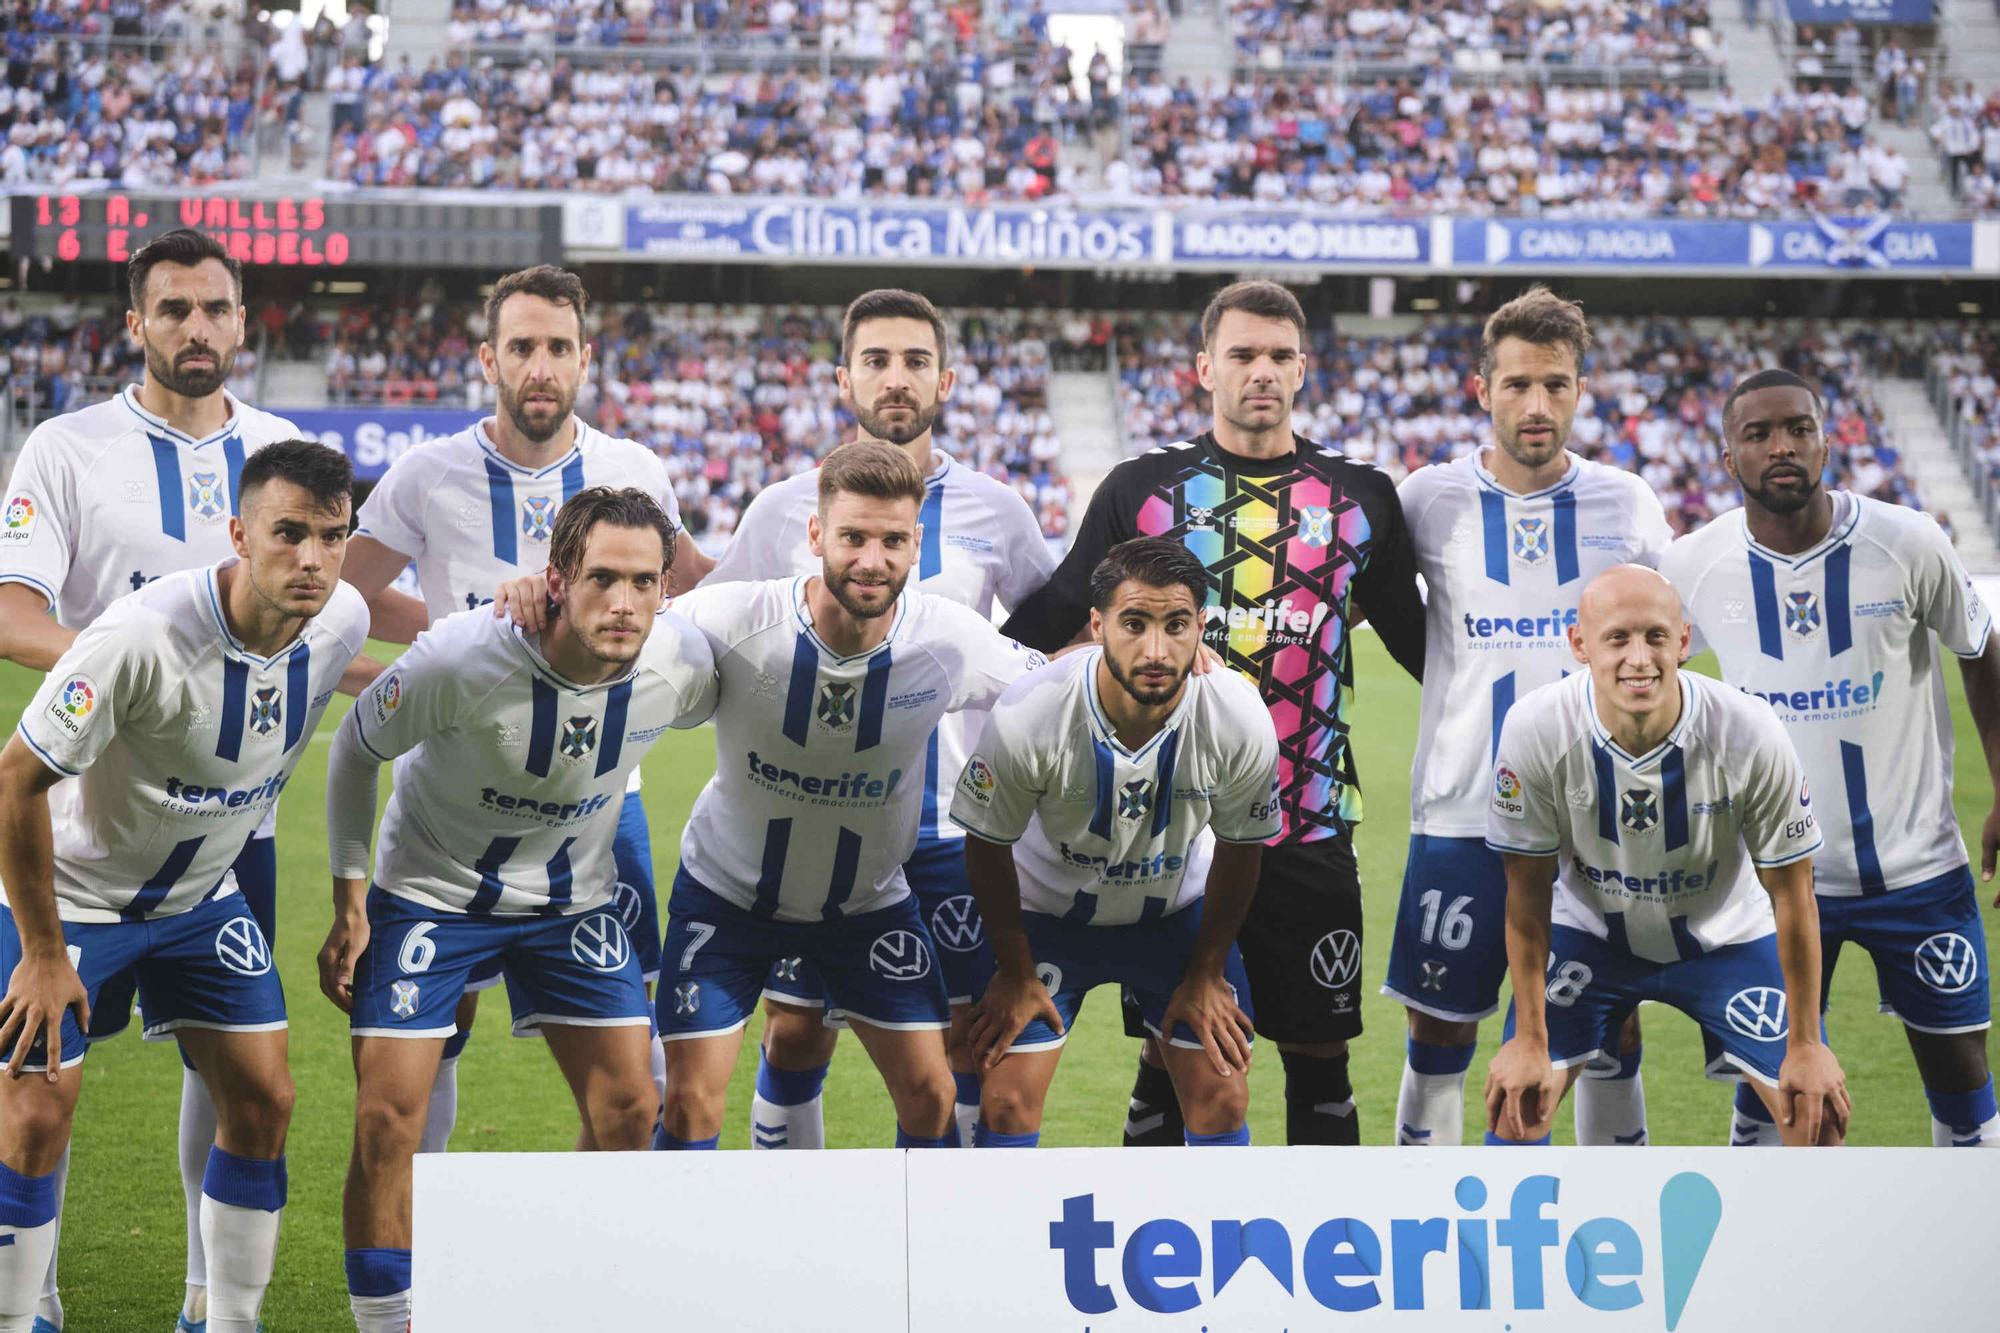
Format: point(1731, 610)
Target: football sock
point(665, 1142)
point(1153, 1119)
point(948, 1139)
point(659, 1071)
point(982, 1137)
point(243, 1200)
point(1965, 1119)
point(1495, 1141)
point(1319, 1101)
point(378, 1290)
point(1611, 1107)
point(1430, 1106)
point(441, 1112)
point(1229, 1138)
point(50, 1306)
point(965, 1105)
point(787, 1111)
point(197, 1139)
point(1750, 1122)
point(28, 1206)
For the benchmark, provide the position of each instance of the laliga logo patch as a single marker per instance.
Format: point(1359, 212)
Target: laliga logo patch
point(388, 697)
point(538, 517)
point(1802, 613)
point(17, 520)
point(1758, 1012)
point(1947, 963)
point(1316, 526)
point(241, 947)
point(979, 782)
point(579, 737)
point(72, 704)
point(1135, 798)
point(1531, 540)
point(899, 955)
point(836, 705)
point(403, 999)
point(1507, 793)
point(205, 495)
point(1639, 810)
point(266, 711)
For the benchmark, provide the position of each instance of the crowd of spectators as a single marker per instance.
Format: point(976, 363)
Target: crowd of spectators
point(863, 29)
point(1965, 127)
point(1583, 32)
point(1966, 360)
point(1435, 146)
point(1653, 404)
point(60, 357)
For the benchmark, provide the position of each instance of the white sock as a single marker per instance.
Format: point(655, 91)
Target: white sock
point(788, 1111)
point(242, 1246)
point(24, 1263)
point(441, 1114)
point(197, 1137)
point(1611, 1108)
point(194, 1305)
point(381, 1314)
point(1430, 1106)
point(659, 1072)
point(1752, 1131)
point(50, 1306)
point(1965, 1119)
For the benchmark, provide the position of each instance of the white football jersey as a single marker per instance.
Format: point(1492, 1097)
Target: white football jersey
point(470, 520)
point(981, 544)
point(110, 497)
point(1503, 574)
point(1840, 640)
point(509, 778)
point(1656, 853)
point(818, 786)
point(1104, 835)
point(176, 742)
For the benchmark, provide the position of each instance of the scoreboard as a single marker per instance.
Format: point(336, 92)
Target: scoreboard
point(292, 230)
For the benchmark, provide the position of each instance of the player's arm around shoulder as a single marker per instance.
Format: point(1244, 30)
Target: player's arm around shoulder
point(980, 661)
point(680, 654)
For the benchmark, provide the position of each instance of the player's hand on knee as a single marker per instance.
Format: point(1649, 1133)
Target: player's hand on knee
point(1207, 1004)
point(1522, 1089)
point(525, 601)
point(1812, 1091)
point(343, 948)
point(42, 988)
point(1009, 1004)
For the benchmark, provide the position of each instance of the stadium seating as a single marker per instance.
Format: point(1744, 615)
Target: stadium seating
point(1965, 129)
point(54, 359)
point(1965, 382)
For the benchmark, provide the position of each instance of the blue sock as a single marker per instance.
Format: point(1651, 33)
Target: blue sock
point(1750, 1106)
point(246, 1182)
point(665, 1142)
point(905, 1139)
point(1963, 1112)
point(968, 1089)
point(1232, 1138)
point(27, 1201)
point(788, 1087)
point(377, 1272)
point(1426, 1058)
point(982, 1137)
point(1495, 1141)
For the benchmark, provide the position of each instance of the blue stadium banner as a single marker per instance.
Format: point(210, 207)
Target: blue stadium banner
point(1906, 12)
point(1859, 245)
point(1257, 236)
point(374, 437)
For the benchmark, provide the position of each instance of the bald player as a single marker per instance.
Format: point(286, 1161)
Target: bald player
point(1658, 835)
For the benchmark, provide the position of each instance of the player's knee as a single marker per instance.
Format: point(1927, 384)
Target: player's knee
point(924, 1101)
point(1435, 1031)
point(692, 1112)
point(259, 1111)
point(620, 1117)
point(1215, 1105)
point(1952, 1062)
point(387, 1127)
point(36, 1133)
point(797, 1038)
point(1009, 1108)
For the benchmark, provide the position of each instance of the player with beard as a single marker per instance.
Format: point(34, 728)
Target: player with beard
point(108, 498)
point(981, 545)
point(1833, 606)
point(1300, 543)
point(477, 510)
point(1506, 538)
point(832, 686)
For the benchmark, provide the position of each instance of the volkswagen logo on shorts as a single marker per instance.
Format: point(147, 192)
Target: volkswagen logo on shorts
point(899, 955)
point(1946, 963)
point(599, 943)
point(687, 997)
point(241, 947)
point(1758, 1012)
point(1050, 976)
point(1336, 959)
point(626, 902)
point(957, 925)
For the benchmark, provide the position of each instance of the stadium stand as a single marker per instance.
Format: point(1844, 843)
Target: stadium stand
point(1964, 374)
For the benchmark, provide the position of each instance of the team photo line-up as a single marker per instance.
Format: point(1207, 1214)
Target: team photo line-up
point(934, 832)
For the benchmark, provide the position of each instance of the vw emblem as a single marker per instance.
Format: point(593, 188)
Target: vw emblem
point(241, 947)
point(403, 999)
point(957, 925)
point(687, 997)
point(1947, 963)
point(899, 955)
point(626, 902)
point(1531, 540)
point(1336, 959)
point(1639, 810)
point(1802, 612)
point(1050, 976)
point(1757, 1012)
point(599, 943)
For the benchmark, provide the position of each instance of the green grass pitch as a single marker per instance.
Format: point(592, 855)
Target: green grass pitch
point(122, 1247)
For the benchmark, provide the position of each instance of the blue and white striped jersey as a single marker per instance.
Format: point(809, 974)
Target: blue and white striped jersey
point(175, 741)
point(105, 499)
point(509, 778)
point(818, 789)
point(1503, 574)
point(981, 545)
point(1655, 853)
point(1108, 836)
point(1841, 640)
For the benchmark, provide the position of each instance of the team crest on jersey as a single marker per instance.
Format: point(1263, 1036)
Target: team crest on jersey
point(1802, 613)
point(1316, 526)
point(403, 999)
point(836, 705)
point(1639, 810)
point(1135, 798)
point(1531, 540)
point(205, 495)
point(17, 520)
point(579, 737)
point(538, 517)
point(266, 711)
